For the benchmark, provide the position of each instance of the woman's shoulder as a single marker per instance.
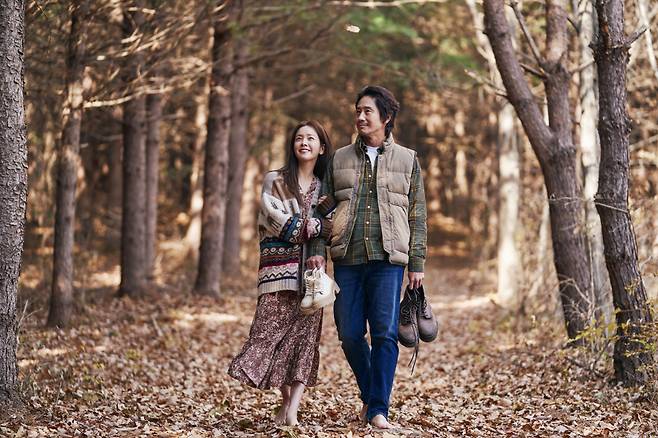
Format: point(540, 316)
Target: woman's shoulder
point(271, 175)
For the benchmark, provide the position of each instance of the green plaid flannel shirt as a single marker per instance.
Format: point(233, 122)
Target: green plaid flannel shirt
point(366, 243)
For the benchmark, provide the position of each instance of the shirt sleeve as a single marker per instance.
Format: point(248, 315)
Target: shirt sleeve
point(317, 245)
point(417, 221)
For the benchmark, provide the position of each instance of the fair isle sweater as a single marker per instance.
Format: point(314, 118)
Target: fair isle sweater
point(283, 231)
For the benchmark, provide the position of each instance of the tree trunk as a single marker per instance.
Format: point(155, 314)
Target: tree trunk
point(154, 115)
point(632, 359)
point(589, 146)
point(216, 161)
point(133, 242)
point(193, 234)
point(13, 187)
point(238, 152)
point(509, 260)
point(508, 257)
point(61, 299)
point(555, 151)
point(192, 237)
point(115, 177)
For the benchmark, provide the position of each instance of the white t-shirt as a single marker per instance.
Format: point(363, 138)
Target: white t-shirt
point(372, 153)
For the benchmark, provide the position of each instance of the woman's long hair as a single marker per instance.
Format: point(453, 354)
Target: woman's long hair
point(290, 169)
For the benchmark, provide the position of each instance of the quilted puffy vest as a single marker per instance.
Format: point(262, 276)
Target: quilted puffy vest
point(394, 167)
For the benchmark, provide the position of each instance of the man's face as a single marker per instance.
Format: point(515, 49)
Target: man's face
point(368, 120)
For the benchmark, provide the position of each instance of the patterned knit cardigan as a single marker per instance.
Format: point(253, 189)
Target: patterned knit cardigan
point(283, 234)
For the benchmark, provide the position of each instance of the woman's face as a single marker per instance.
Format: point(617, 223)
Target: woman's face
point(307, 144)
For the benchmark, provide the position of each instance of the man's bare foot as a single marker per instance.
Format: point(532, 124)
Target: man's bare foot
point(362, 414)
point(281, 414)
point(380, 422)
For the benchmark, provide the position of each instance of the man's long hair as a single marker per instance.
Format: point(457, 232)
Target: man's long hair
point(386, 103)
point(290, 170)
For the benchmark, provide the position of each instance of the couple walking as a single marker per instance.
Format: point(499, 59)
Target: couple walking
point(366, 202)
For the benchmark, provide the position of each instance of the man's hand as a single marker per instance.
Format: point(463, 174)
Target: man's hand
point(315, 262)
point(415, 279)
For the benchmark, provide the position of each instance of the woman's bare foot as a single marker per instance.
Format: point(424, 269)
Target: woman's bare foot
point(291, 418)
point(380, 422)
point(362, 414)
point(281, 414)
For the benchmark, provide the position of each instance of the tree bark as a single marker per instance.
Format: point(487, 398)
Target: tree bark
point(192, 237)
point(509, 259)
point(216, 160)
point(238, 152)
point(13, 187)
point(115, 177)
point(154, 115)
point(193, 233)
point(508, 256)
point(555, 151)
point(133, 224)
point(591, 156)
point(61, 299)
point(632, 359)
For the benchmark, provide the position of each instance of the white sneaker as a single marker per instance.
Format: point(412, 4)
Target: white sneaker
point(309, 286)
point(325, 290)
point(321, 290)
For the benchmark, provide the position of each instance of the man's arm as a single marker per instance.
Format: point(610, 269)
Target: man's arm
point(318, 245)
point(417, 227)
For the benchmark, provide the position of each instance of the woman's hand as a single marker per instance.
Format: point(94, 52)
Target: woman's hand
point(313, 227)
point(315, 262)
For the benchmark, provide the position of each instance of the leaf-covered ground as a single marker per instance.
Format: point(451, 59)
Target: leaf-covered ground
point(157, 367)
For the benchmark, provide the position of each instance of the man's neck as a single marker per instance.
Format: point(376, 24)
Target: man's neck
point(375, 140)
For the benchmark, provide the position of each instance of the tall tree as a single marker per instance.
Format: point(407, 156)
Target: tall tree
point(133, 223)
point(192, 237)
point(13, 186)
point(154, 117)
point(553, 145)
point(509, 258)
point(216, 161)
point(591, 156)
point(632, 358)
point(238, 153)
point(61, 298)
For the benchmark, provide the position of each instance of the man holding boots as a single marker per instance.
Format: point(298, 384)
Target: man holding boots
point(379, 227)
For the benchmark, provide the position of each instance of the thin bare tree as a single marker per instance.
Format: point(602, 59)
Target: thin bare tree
point(61, 298)
point(215, 172)
point(133, 223)
point(553, 145)
point(13, 187)
point(632, 358)
point(238, 153)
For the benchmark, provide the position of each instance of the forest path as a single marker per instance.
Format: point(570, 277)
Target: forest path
point(157, 367)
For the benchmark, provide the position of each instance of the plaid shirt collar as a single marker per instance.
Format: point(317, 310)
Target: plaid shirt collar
point(386, 146)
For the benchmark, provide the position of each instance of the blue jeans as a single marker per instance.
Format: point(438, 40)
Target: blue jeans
point(370, 292)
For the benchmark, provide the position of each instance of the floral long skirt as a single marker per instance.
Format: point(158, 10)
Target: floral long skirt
point(283, 345)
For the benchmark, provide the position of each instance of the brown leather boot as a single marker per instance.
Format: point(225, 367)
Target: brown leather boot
point(428, 326)
point(408, 324)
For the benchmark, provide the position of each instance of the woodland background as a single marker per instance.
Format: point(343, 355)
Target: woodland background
point(135, 342)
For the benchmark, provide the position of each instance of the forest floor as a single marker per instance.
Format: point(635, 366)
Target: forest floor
point(157, 367)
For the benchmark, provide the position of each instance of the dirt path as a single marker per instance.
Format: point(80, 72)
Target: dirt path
point(157, 368)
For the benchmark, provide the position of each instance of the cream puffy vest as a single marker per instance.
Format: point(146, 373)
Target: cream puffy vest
point(394, 167)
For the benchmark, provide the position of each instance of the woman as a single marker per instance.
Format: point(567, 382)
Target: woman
point(283, 346)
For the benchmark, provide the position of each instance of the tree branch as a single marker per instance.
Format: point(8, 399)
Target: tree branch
point(518, 91)
point(527, 34)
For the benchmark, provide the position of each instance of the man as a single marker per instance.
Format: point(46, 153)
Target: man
point(379, 227)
